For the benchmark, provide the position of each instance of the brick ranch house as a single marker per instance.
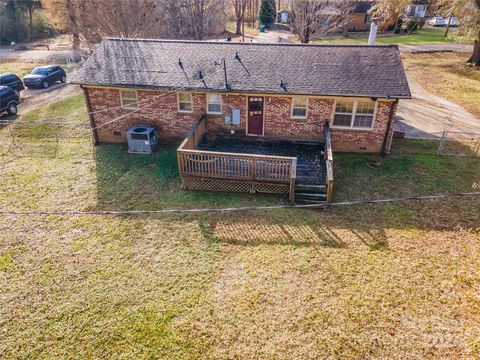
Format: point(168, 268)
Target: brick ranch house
point(254, 117)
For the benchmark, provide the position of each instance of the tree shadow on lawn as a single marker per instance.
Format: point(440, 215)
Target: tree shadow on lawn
point(297, 229)
point(343, 227)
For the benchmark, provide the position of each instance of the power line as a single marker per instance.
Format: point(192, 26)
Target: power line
point(238, 209)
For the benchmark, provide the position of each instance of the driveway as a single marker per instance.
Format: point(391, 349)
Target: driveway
point(35, 98)
point(428, 115)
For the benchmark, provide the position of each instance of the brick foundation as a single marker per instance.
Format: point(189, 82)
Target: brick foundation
point(171, 124)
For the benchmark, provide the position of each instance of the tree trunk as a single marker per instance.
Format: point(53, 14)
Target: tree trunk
point(75, 40)
point(238, 30)
point(30, 19)
point(475, 58)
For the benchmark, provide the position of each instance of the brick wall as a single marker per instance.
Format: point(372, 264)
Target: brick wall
point(164, 115)
point(357, 23)
point(361, 140)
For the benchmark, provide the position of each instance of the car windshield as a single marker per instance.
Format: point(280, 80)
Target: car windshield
point(39, 71)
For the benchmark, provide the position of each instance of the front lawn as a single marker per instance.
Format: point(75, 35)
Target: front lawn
point(380, 281)
point(422, 36)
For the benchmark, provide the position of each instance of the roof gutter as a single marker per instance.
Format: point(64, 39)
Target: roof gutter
point(245, 91)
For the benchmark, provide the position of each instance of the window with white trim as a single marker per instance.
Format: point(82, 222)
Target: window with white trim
point(128, 99)
point(354, 114)
point(214, 104)
point(299, 107)
point(185, 102)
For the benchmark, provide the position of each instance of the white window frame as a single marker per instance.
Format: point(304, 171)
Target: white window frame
point(191, 103)
point(297, 107)
point(122, 99)
point(354, 112)
point(208, 103)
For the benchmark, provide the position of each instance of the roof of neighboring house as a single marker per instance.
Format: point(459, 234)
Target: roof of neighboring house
point(362, 7)
point(328, 70)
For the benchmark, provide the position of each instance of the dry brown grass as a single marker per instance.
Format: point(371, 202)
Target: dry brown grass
point(337, 284)
point(447, 75)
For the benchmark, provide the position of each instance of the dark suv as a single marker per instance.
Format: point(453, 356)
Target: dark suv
point(44, 76)
point(9, 100)
point(13, 81)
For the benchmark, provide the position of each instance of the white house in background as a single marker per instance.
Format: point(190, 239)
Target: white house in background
point(282, 16)
point(416, 10)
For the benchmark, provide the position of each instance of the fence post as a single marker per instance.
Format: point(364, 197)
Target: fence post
point(442, 143)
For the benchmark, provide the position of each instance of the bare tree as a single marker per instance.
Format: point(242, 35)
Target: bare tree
point(313, 19)
point(66, 15)
point(126, 19)
point(193, 18)
point(239, 7)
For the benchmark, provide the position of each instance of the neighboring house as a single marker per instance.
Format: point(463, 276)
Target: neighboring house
point(282, 16)
point(360, 19)
point(418, 10)
point(304, 94)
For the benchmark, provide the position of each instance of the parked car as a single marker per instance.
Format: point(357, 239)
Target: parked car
point(453, 21)
point(12, 81)
point(44, 76)
point(9, 100)
point(437, 21)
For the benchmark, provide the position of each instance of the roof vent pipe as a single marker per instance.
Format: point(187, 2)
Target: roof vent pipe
point(373, 33)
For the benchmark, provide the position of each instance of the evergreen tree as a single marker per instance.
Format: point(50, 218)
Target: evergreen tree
point(268, 13)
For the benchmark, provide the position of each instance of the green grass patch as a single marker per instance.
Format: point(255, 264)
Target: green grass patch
point(422, 36)
point(403, 175)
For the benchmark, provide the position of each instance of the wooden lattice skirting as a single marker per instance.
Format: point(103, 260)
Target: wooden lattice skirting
point(196, 183)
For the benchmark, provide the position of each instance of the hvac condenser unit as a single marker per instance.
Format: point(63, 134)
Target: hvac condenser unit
point(142, 139)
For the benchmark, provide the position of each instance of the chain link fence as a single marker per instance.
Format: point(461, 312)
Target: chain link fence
point(45, 140)
point(449, 143)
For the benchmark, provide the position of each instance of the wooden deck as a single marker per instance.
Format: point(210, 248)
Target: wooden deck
point(311, 167)
point(303, 170)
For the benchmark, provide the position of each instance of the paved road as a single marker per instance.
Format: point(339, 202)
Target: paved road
point(43, 55)
point(273, 36)
point(421, 48)
point(428, 115)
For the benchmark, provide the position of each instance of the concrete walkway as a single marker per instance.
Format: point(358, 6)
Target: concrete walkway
point(428, 115)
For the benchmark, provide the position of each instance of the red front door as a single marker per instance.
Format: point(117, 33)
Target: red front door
point(255, 116)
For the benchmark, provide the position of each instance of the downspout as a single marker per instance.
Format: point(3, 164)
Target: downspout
point(90, 115)
point(389, 128)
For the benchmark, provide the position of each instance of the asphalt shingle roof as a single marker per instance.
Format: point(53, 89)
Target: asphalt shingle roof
point(336, 70)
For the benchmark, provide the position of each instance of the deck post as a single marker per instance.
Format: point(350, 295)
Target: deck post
point(328, 155)
point(293, 177)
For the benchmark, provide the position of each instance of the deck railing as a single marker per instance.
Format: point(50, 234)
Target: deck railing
point(328, 156)
point(250, 168)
